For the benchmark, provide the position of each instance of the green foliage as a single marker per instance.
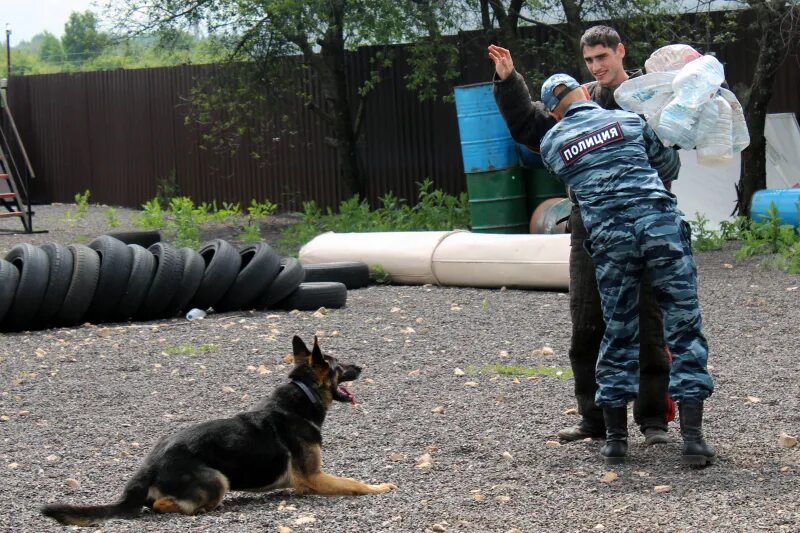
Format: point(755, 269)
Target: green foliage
point(731, 231)
point(528, 371)
point(791, 256)
point(379, 275)
point(186, 349)
point(433, 58)
point(51, 49)
point(85, 48)
point(152, 217)
point(260, 211)
point(256, 213)
point(112, 218)
point(183, 221)
point(82, 204)
point(704, 239)
point(82, 41)
point(186, 221)
point(281, 52)
point(768, 236)
point(251, 233)
point(434, 211)
point(167, 188)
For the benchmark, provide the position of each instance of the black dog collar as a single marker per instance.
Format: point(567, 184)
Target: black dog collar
point(312, 394)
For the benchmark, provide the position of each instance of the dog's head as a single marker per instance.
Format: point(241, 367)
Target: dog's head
point(324, 370)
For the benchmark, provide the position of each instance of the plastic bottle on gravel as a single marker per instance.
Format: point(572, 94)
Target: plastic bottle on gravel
point(195, 314)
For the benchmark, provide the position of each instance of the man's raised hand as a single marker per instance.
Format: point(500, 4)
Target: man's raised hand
point(503, 64)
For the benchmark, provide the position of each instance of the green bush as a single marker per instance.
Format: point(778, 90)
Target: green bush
point(152, 217)
point(166, 189)
point(434, 211)
point(704, 239)
point(768, 236)
point(186, 221)
point(112, 218)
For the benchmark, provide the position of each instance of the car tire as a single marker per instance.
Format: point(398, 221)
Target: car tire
point(143, 265)
point(9, 278)
point(115, 269)
point(354, 274)
point(290, 276)
point(221, 268)
point(34, 271)
point(145, 239)
point(85, 273)
point(165, 284)
point(260, 265)
point(193, 269)
point(61, 264)
point(310, 296)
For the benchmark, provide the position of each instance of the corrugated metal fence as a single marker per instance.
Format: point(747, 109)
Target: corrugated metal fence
point(117, 133)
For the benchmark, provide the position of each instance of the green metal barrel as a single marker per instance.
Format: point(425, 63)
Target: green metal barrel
point(497, 201)
point(541, 186)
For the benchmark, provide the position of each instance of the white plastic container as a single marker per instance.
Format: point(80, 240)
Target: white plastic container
point(741, 135)
point(195, 314)
point(646, 94)
point(717, 146)
point(670, 57)
point(698, 81)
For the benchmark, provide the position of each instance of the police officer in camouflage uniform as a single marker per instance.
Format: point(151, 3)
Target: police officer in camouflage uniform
point(528, 122)
point(608, 159)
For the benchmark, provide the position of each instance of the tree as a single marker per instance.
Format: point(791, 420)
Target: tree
point(82, 41)
point(50, 49)
point(777, 30)
point(643, 24)
point(280, 49)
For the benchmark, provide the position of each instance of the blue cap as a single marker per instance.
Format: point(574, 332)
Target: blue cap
point(550, 100)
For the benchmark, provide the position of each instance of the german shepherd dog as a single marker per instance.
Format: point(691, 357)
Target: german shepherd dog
point(276, 445)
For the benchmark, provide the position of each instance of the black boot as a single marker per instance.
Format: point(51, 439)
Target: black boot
point(616, 447)
point(587, 429)
point(695, 450)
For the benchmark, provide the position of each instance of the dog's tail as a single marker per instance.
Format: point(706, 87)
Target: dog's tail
point(129, 506)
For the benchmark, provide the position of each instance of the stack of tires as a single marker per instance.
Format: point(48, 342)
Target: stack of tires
point(110, 281)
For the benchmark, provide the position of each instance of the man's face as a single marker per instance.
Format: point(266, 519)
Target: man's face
point(605, 64)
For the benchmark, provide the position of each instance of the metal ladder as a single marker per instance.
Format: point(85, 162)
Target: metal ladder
point(14, 195)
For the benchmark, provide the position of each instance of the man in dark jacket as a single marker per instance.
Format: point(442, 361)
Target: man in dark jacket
point(528, 122)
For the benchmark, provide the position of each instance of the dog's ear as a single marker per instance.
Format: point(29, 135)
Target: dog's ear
point(301, 353)
point(316, 354)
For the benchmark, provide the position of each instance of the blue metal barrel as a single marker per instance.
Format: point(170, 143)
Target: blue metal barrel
point(486, 143)
point(786, 200)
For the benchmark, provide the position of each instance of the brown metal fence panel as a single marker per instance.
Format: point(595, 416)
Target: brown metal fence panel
point(119, 133)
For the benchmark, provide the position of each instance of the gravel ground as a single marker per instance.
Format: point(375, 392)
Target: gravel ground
point(86, 404)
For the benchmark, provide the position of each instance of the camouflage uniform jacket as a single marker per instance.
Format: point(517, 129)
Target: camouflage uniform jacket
point(612, 161)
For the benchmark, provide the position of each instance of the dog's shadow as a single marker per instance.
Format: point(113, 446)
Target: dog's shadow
point(234, 501)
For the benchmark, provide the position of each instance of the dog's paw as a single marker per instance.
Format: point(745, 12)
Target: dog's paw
point(383, 487)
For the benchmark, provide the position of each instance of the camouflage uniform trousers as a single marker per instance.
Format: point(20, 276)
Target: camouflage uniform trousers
point(650, 408)
point(623, 251)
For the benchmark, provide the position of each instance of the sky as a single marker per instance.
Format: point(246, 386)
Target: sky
point(26, 18)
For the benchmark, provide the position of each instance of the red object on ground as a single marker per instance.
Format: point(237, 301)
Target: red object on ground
point(669, 416)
